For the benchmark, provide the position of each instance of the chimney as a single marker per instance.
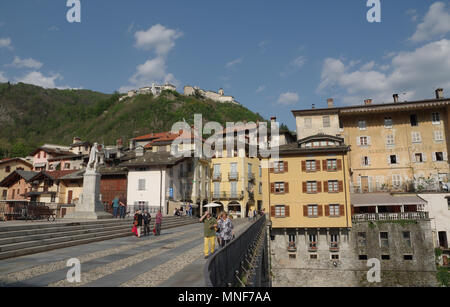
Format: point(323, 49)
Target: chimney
point(119, 143)
point(330, 102)
point(273, 119)
point(139, 151)
point(395, 98)
point(76, 140)
point(313, 106)
point(368, 102)
point(440, 93)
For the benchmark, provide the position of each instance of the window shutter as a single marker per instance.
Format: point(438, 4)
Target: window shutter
point(304, 166)
point(369, 140)
point(327, 210)
point(413, 158)
point(287, 212)
point(324, 165)
point(271, 167)
point(285, 166)
point(353, 210)
point(358, 141)
point(319, 187)
point(305, 210)
point(286, 187)
point(434, 157)
point(339, 165)
point(445, 156)
point(389, 159)
point(272, 188)
point(319, 210)
point(368, 161)
point(424, 157)
point(341, 210)
point(272, 211)
point(341, 186)
point(325, 186)
point(305, 188)
point(317, 165)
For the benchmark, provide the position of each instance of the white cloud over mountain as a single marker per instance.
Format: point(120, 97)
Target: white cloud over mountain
point(37, 78)
point(26, 63)
point(157, 38)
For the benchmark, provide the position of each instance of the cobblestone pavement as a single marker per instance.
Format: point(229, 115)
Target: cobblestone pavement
point(173, 259)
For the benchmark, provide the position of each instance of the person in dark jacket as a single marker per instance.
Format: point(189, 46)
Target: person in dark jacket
point(138, 220)
point(147, 219)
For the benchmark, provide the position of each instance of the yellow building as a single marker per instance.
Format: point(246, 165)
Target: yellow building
point(7, 166)
point(399, 146)
point(307, 192)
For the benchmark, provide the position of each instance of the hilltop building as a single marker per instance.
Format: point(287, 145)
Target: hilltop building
point(154, 89)
point(218, 97)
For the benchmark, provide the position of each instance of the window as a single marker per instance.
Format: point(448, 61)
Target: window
point(413, 120)
point(308, 123)
point(67, 165)
point(407, 238)
point(334, 210)
point(311, 187)
point(312, 211)
point(362, 257)
point(216, 170)
point(384, 239)
point(334, 240)
point(365, 161)
point(418, 158)
point(292, 256)
point(385, 257)
point(436, 118)
point(292, 238)
point(396, 180)
point(438, 135)
point(390, 140)
point(311, 165)
point(407, 257)
point(8, 169)
point(5, 195)
point(278, 167)
point(279, 187)
point(439, 156)
point(260, 188)
point(416, 137)
point(334, 256)
point(363, 141)
point(326, 121)
point(362, 240)
point(313, 241)
point(388, 122)
point(260, 171)
point(332, 165)
point(141, 185)
point(362, 125)
point(313, 256)
point(393, 159)
point(333, 186)
point(448, 203)
point(280, 211)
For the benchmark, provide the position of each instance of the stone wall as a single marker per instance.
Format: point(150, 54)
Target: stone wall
point(349, 270)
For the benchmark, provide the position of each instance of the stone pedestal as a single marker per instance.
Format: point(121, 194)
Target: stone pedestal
point(90, 206)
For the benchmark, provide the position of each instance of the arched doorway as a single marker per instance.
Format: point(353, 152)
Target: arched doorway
point(235, 209)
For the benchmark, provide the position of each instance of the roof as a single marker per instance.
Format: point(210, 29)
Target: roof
point(7, 160)
point(53, 175)
point(73, 176)
point(384, 199)
point(375, 108)
point(16, 176)
point(153, 159)
point(294, 148)
point(52, 151)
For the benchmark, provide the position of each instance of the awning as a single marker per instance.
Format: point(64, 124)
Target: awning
point(385, 199)
point(43, 164)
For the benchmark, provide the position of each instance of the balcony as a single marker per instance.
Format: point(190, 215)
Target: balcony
point(334, 247)
point(368, 217)
point(228, 195)
point(412, 186)
point(312, 247)
point(233, 176)
point(291, 247)
point(216, 177)
point(251, 176)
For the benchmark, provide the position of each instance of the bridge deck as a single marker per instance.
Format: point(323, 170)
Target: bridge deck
point(173, 259)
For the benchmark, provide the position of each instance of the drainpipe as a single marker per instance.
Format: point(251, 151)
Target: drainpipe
point(345, 188)
point(160, 189)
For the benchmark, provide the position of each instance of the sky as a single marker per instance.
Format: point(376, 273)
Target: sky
point(272, 56)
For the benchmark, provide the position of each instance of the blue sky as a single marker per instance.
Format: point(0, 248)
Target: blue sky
point(272, 56)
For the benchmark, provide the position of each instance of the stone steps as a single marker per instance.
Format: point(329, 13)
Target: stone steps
point(17, 241)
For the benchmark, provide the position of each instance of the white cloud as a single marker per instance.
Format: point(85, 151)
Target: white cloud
point(260, 89)
point(413, 13)
point(5, 42)
point(294, 65)
point(53, 29)
point(27, 63)
point(414, 73)
point(436, 23)
point(299, 62)
point(157, 38)
point(3, 77)
point(235, 62)
point(288, 98)
point(37, 78)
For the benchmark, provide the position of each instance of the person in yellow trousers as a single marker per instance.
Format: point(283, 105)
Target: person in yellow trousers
point(210, 225)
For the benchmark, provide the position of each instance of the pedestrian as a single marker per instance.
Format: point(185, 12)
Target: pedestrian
point(158, 222)
point(254, 214)
point(123, 206)
point(190, 210)
point(175, 212)
point(209, 230)
point(226, 229)
point(115, 205)
point(147, 219)
point(138, 221)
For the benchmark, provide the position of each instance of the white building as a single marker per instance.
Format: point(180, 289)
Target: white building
point(439, 211)
point(218, 97)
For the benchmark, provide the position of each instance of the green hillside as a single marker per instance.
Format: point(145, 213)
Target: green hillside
point(31, 116)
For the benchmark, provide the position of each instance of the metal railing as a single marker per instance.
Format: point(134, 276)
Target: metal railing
point(228, 195)
point(365, 217)
point(243, 262)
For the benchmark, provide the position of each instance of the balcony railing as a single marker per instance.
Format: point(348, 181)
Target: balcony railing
point(228, 195)
point(292, 248)
point(233, 176)
point(312, 246)
point(251, 176)
point(334, 247)
point(411, 187)
point(217, 177)
point(366, 217)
